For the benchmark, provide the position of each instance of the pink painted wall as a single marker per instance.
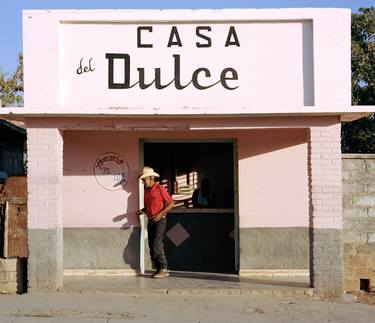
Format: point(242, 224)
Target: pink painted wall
point(272, 176)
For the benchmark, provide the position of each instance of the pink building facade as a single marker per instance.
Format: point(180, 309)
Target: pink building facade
point(251, 99)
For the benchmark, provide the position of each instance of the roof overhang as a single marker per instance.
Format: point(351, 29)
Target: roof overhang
point(346, 114)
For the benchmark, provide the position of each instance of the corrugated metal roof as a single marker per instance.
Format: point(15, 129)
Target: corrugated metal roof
point(17, 126)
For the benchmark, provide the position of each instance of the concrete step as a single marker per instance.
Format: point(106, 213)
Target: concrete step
point(179, 283)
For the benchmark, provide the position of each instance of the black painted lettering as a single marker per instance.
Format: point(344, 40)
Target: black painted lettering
point(177, 76)
point(141, 77)
point(111, 84)
point(228, 74)
point(84, 68)
point(224, 77)
point(204, 37)
point(232, 33)
point(139, 36)
point(79, 69)
point(90, 67)
point(196, 82)
point(158, 85)
point(174, 34)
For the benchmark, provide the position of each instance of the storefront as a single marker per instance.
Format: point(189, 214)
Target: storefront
point(249, 101)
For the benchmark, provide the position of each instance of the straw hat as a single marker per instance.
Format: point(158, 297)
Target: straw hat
point(146, 172)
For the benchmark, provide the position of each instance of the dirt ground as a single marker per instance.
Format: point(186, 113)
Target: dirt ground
point(365, 298)
point(116, 308)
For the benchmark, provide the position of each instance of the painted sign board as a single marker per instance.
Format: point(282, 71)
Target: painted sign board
point(119, 65)
point(170, 60)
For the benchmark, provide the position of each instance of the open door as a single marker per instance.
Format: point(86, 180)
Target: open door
point(201, 235)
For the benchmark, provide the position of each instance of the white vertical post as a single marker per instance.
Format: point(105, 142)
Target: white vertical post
point(143, 231)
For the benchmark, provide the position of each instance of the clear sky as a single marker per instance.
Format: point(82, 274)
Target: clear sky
point(11, 14)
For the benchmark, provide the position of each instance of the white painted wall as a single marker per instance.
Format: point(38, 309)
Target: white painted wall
point(274, 63)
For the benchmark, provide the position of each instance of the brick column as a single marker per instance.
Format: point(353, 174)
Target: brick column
point(44, 179)
point(326, 254)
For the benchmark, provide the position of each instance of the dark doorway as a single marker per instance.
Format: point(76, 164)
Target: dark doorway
point(200, 234)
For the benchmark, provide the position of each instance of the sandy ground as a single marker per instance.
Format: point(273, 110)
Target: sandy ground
point(184, 298)
point(366, 298)
point(111, 308)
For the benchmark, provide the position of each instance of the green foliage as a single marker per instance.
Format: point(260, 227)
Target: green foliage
point(359, 136)
point(11, 86)
point(363, 57)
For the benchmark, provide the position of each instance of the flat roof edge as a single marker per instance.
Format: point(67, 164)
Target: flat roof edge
point(161, 15)
point(346, 115)
point(119, 10)
point(178, 110)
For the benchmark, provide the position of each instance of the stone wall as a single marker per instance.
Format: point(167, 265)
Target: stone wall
point(358, 175)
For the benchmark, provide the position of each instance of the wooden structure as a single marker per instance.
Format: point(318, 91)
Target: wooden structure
point(13, 201)
point(13, 235)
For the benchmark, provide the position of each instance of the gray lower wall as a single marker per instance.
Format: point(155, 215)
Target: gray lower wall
point(274, 248)
point(112, 248)
point(327, 262)
point(45, 262)
point(101, 248)
point(319, 250)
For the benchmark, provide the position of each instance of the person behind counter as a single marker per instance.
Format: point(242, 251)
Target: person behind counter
point(203, 197)
point(157, 203)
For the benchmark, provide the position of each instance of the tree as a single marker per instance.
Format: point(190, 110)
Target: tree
point(11, 86)
point(359, 136)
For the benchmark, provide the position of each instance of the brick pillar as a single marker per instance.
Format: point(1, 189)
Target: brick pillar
point(326, 254)
point(44, 179)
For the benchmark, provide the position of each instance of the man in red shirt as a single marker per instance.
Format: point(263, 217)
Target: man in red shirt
point(157, 203)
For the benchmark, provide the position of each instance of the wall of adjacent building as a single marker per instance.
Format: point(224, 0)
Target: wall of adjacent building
point(358, 172)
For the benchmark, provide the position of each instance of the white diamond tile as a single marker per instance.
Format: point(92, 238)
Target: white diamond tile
point(177, 234)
